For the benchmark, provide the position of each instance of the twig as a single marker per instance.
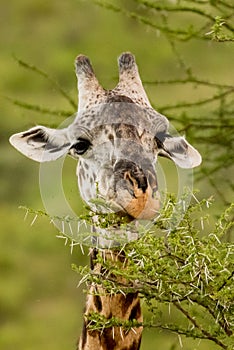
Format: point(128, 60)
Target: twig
point(196, 325)
point(198, 103)
point(179, 33)
point(50, 79)
point(189, 80)
point(225, 4)
point(37, 108)
point(180, 8)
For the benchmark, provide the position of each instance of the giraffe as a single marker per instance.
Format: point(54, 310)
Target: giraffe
point(116, 138)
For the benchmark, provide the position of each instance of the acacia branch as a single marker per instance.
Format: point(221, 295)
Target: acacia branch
point(189, 80)
point(50, 79)
point(222, 322)
point(181, 8)
point(178, 33)
point(38, 108)
point(178, 8)
point(196, 325)
point(197, 103)
point(225, 4)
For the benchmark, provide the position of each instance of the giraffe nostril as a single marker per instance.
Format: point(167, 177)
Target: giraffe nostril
point(131, 175)
point(128, 178)
point(131, 184)
point(139, 179)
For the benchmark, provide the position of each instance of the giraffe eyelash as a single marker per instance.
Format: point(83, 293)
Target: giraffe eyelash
point(81, 146)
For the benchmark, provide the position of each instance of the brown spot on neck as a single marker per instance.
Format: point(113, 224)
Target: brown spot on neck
point(123, 307)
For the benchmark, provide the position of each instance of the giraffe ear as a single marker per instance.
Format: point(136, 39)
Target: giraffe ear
point(180, 151)
point(42, 144)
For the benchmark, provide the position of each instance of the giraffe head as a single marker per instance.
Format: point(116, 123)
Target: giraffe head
point(116, 138)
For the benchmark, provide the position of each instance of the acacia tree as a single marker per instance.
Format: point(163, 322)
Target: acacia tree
point(176, 265)
point(172, 265)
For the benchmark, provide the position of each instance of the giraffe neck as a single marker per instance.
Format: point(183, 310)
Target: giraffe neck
point(122, 306)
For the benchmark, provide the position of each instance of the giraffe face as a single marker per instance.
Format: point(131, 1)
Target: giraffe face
point(118, 162)
point(116, 137)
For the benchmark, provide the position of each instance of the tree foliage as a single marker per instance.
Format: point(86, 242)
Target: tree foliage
point(177, 267)
point(181, 266)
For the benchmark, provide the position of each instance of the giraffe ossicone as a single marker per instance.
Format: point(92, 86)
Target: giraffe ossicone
point(116, 137)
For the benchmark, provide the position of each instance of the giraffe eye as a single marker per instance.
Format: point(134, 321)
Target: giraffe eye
point(81, 146)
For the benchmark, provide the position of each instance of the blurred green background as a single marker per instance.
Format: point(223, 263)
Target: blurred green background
point(40, 304)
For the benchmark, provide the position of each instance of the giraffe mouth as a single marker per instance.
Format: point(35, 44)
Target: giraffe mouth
point(136, 190)
point(143, 205)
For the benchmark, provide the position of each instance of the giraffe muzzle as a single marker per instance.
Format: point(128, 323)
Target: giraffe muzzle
point(136, 189)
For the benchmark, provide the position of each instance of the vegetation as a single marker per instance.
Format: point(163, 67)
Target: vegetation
point(174, 266)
